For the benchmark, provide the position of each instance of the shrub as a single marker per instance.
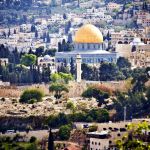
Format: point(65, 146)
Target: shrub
point(32, 139)
point(64, 132)
point(30, 94)
point(3, 99)
point(93, 128)
point(14, 101)
point(89, 119)
point(32, 101)
point(8, 139)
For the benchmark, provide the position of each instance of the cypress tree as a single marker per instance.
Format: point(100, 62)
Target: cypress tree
point(72, 67)
point(59, 47)
point(9, 32)
point(36, 34)
point(48, 38)
point(50, 141)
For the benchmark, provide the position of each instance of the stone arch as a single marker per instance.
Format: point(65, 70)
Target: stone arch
point(120, 42)
point(125, 42)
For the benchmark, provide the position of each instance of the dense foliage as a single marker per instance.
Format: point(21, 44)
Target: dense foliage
point(61, 77)
point(137, 137)
point(31, 94)
point(96, 93)
point(28, 59)
point(108, 71)
point(18, 142)
point(58, 88)
point(64, 132)
point(94, 115)
point(16, 71)
point(136, 99)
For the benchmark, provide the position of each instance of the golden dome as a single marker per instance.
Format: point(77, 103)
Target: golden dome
point(88, 34)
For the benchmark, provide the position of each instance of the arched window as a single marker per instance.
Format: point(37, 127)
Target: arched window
point(120, 42)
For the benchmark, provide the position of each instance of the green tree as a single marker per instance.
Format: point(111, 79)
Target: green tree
point(135, 139)
point(66, 77)
point(29, 94)
point(39, 51)
point(61, 77)
point(87, 73)
point(28, 59)
point(58, 88)
point(63, 68)
point(33, 139)
point(46, 72)
point(109, 72)
point(96, 93)
point(139, 82)
point(123, 63)
point(50, 52)
point(55, 77)
point(64, 132)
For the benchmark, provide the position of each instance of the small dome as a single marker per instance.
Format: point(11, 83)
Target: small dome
point(46, 58)
point(88, 34)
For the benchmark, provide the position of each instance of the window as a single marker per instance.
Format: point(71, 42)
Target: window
point(82, 46)
point(95, 143)
point(92, 142)
point(99, 143)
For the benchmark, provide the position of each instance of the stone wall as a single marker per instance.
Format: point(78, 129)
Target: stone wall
point(20, 123)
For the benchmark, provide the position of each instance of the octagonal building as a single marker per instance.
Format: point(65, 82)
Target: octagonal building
point(88, 42)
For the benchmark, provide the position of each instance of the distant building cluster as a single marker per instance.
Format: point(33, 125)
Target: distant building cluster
point(100, 43)
point(107, 134)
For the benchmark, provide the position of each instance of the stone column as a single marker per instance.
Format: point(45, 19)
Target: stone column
point(78, 67)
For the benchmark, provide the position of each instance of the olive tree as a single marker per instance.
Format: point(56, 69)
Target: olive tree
point(58, 88)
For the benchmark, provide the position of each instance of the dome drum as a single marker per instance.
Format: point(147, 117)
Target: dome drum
point(88, 46)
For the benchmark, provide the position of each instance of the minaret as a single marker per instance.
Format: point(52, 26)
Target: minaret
point(78, 67)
